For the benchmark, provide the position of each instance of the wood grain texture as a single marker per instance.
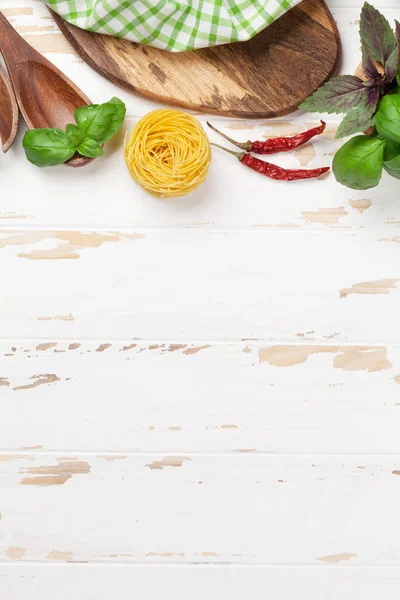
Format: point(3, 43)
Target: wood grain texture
point(267, 76)
point(8, 112)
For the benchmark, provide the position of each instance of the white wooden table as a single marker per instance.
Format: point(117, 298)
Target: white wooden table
point(199, 397)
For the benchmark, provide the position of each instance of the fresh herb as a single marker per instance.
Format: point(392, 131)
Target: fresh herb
point(391, 159)
point(95, 124)
point(358, 164)
point(75, 135)
point(388, 118)
point(90, 148)
point(357, 98)
point(101, 122)
point(47, 147)
point(370, 102)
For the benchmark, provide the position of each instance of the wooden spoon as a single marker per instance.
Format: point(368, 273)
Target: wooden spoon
point(46, 97)
point(8, 112)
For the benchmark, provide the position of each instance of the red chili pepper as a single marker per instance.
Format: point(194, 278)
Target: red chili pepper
point(278, 144)
point(273, 171)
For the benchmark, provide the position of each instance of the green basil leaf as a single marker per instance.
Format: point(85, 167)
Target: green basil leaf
point(101, 121)
point(388, 117)
point(74, 134)
point(47, 147)
point(358, 163)
point(391, 159)
point(90, 148)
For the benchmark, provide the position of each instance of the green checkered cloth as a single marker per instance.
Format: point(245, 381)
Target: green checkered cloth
point(171, 24)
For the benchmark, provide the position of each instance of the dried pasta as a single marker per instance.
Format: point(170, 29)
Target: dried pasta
point(168, 153)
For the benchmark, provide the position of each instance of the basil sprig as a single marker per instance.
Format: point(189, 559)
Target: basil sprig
point(95, 125)
point(359, 99)
point(358, 164)
point(371, 102)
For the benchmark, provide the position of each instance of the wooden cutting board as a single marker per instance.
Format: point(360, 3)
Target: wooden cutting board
point(268, 76)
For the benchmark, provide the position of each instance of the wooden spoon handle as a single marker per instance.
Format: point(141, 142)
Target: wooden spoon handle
point(10, 41)
point(8, 111)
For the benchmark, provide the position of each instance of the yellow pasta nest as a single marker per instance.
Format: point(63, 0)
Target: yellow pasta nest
point(168, 153)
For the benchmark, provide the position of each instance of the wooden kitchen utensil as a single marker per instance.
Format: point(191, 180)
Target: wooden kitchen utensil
point(8, 112)
point(46, 97)
point(267, 76)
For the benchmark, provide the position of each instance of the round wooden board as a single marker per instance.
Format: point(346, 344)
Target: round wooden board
point(268, 76)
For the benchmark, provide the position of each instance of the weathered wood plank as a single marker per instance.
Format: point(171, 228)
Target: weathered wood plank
point(200, 286)
point(159, 508)
point(92, 582)
point(239, 398)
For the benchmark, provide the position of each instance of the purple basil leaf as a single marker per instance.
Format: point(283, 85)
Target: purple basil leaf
point(369, 67)
point(353, 122)
point(376, 34)
point(397, 31)
point(371, 100)
point(338, 95)
point(391, 65)
point(362, 117)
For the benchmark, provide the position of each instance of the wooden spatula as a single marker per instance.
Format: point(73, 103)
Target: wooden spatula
point(8, 112)
point(46, 97)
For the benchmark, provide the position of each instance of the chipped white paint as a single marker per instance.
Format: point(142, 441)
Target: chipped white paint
point(336, 558)
point(63, 556)
point(361, 204)
point(382, 286)
point(227, 286)
point(192, 489)
point(290, 420)
point(209, 383)
point(169, 461)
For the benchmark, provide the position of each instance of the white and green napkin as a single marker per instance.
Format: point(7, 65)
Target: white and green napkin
point(171, 24)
